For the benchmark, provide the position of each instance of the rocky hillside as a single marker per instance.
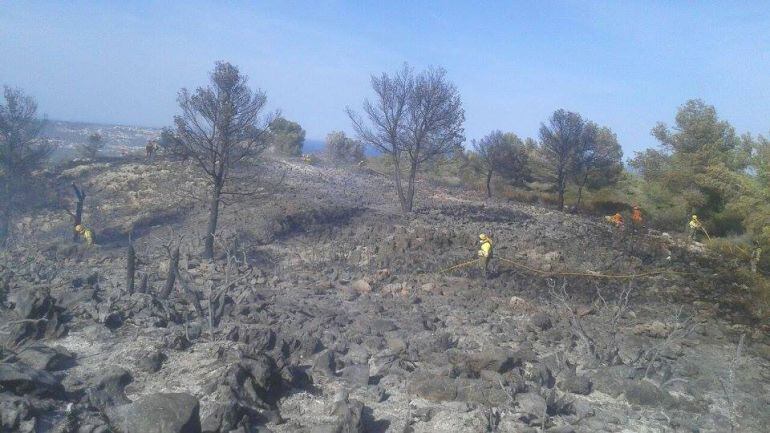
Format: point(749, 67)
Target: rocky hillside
point(328, 311)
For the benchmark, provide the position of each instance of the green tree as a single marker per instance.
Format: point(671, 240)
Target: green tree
point(503, 154)
point(341, 148)
point(93, 145)
point(598, 162)
point(286, 137)
point(704, 159)
point(560, 142)
point(22, 151)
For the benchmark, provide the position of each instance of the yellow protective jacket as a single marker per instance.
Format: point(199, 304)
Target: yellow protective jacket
point(486, 249)
point(88, 236)
point(695, 224)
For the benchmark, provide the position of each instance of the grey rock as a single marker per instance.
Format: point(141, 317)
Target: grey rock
point(42, 357)
point(433, 388)
point(108, 387)
point(498, 360)
point(530, 403)
point(356, 374)
point(541, 321)
point(158, 413)
point(153, 362)
point(14, 411)
point(22, 379)
point(646, 394)
point(576, 384)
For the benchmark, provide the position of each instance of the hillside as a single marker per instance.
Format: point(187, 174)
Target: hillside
point(326, 310)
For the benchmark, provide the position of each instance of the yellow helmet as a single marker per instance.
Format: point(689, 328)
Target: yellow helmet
point(483, 237)
point(78, 228)
point(695, 217)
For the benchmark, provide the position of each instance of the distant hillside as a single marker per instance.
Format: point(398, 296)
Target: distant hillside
point(68, 135)
point(119, 138)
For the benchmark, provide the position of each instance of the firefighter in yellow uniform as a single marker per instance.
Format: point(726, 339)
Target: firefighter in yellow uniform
point(485, 252)
point(86, 233)
point(694, 226)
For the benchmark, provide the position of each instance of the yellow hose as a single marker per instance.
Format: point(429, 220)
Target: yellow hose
point(573, 274)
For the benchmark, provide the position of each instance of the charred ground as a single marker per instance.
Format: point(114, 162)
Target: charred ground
point(327, 310)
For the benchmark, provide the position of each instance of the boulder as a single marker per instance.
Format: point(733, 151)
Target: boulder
point(152, 363)
point(42, 357)
point(653, 329)
point(347, 414)
point(22, 379)
point(158, 413)
point(531, 404)
point(646, 394)
point(361, 286)
point(575, 384)
point(541, 321)
point(108, 387)
point(14, 411)
point(433, 388)
point(495, 359)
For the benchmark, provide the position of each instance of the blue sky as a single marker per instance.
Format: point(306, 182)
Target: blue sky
point(624, 64)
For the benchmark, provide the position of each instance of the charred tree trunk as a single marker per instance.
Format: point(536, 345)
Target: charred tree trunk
point(173, 265)
point(397, 181)
point(489, 181)
point(5, 222)
point(580, 191)
point(211, 228)
point(411, 187)
point(143, 285)
point(80, 195)
point(130, 268)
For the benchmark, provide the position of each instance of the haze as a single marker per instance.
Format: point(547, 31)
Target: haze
point(626, 65)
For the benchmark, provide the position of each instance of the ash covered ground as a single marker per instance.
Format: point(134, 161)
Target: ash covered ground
point(326, 310)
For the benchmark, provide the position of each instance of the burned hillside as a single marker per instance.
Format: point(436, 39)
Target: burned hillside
point(325, 309)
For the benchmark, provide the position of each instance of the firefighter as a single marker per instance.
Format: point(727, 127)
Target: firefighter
point(694, 226)
point(636, 217)
point(485, 252)
point(86, 233)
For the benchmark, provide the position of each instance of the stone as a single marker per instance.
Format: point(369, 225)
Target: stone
point(324, 364)
point(14, 411)
point(645, 393)
point(521, 306)
point(576, 384)
point(22, 380)
point(653, 329)
point(108, 387)
point(361, 286)
point(383, 325)
point(153, 362)
point(158, 413)
point(356, 374)
point(433, 388)
point(541, 321)
point(498, 360)
point(530, 403)
point(42, 357)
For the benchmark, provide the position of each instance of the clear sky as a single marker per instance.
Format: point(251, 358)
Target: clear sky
point(623, 64)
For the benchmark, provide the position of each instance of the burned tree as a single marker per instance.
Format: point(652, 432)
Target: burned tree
point(414, 119)
point(220, 127)
point(22, 151)
point(80, 196)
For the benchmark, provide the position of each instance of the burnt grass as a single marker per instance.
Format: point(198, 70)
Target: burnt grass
point(325, 309)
